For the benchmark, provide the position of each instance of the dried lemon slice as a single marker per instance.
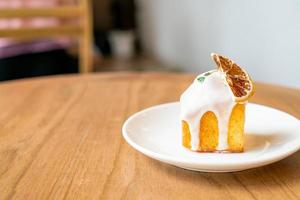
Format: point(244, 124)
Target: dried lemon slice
point(240, 83)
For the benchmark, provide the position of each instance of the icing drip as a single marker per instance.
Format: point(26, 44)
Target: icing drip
point(208, 92)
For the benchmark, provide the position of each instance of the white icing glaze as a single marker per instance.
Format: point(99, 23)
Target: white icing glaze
point(211, 94)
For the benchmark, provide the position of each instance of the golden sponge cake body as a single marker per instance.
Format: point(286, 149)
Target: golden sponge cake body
point(209, 131)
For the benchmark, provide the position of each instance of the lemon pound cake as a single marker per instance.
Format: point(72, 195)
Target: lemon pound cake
point(212, 109)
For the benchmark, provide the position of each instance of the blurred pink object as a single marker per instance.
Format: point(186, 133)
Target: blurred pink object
point(11, 47)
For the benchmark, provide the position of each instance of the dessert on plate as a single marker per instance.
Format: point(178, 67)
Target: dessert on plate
point(212, 109)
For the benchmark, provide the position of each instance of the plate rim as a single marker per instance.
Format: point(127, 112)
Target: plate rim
point(228, 166)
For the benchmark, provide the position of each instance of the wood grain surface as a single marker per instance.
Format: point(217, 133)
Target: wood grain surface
point(60, 138)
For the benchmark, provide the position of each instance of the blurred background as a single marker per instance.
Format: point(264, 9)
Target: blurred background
point(77, 36)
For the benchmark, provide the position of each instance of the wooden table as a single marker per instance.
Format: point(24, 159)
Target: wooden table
point(60, 137)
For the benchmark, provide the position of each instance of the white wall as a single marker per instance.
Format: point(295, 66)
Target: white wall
point(263, 36)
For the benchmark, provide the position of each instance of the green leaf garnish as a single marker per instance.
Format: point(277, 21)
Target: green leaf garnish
point(207, 73)
point(201, 79)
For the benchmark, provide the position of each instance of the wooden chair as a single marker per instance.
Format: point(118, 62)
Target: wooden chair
point(83, 30)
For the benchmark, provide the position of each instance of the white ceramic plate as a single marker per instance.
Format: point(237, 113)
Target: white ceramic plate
point(271, 135)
